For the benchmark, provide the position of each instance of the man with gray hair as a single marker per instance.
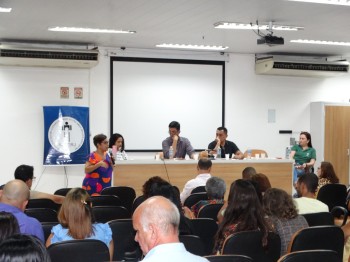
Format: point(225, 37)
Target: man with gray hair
point(156, 222)
point(14, 199)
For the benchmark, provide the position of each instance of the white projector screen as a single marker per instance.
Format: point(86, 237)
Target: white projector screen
point(147, 94)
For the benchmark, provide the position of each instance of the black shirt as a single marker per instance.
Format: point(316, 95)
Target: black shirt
point(228, 148)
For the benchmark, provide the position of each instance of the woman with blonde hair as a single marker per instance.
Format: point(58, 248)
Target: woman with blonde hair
point(76, 221)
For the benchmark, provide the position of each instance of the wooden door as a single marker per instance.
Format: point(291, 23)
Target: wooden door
point(337, 141)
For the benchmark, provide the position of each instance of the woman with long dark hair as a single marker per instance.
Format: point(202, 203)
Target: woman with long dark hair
point(243, 213)
point(326, 175)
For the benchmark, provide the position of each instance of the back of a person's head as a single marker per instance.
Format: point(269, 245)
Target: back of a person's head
point(15, 193)
point(23, 248)
point(8, 225)
point(204, 164)
point(278, 203)
point(215, 187)
point(327, 171)
point(76, 215)
point(310, 181)
point(148, 184)
point(262, 181)
point(165, 189)
point(160, 211)
point(24, 172)
point(248, 172)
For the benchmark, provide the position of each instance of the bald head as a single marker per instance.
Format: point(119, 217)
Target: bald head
point(15, 193)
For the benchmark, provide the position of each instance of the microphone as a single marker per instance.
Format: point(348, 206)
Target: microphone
point(111, 156)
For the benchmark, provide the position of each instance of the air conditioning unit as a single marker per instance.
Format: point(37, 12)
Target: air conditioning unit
point(48, 57)
point(299, 66)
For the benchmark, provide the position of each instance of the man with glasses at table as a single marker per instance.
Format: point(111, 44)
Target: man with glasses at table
point(181, 145)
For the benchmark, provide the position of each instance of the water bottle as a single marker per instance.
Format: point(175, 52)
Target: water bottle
point(288, 150)
point(249, 153)
point(218, 152)
point(171, 152)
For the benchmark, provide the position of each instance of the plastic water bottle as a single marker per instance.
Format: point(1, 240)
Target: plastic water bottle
point(288, 150)
point(171, 152)
point(218, 152)
point(249, 153)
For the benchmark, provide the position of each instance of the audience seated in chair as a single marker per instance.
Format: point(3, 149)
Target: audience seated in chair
point(243, 213)
point(216, 189)
point(76, 221)
point(326, 175)
point(306, 189)
point(280, 209)
point(156, 223)
point(248, 172)
point(203, 170)
point(23, 248)
point(262, 181)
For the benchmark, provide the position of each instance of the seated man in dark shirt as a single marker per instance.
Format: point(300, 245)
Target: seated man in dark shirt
point(227, 147)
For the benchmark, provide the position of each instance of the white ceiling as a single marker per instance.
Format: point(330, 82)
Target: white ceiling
point(177, 21)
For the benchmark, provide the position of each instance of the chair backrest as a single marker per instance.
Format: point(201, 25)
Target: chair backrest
point(249, 243)
point(47, 226)
point(318, 237)
point(125, 246)
point(42, 214)
point(79, 251)
point(210, 211)
point(206, 229)
point(311, 256)
point(42, 203)
point(229, 258)
point(255, 151)
point(62, 191)
point(126, 195)
point(105, 200)
point(199, 189)
point(194, 198)
point(319, 219)
point(193, 244)
point(137, 202)
point(333, 195)
point(103, 214)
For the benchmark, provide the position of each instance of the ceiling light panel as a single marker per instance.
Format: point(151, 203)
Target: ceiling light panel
point(328, 2)
point(320, 42)
point(238, 26)
point(89, 30)
point(193, 47)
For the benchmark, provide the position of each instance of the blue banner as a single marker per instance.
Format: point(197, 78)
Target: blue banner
point(66, 135)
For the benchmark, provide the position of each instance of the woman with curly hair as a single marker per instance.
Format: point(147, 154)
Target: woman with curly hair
point(280, 209)
point(326, 175)
point(243, 213)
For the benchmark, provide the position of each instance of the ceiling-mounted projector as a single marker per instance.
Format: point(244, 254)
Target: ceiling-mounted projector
point(270, 40)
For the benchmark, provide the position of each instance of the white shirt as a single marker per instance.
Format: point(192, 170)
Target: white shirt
point(172, 252)
point(200, 180)
point(307, 205)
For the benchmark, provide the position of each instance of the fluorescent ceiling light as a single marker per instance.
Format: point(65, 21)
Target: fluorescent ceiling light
point(233, 25)
point(5, 10)
point(319, 42)
point(328, 2)
point(197, 47)
point(89, 30)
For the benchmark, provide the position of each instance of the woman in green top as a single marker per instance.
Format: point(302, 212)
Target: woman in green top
point(304, 155)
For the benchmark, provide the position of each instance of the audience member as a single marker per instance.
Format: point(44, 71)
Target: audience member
point(243, 213)
point(98, 168)
point(280, 209)
point(304, 155)
point(148, 184)
point(326, 175)
point(216, 189)
point(227, 147)
point(156, 223)
point(306, 189)
point(165, 189)
point(8, 225)
point(14, 199)
point(262, 182)
point(181, 145)
point(203, 170)
point(248, 172)
point(26, 174)
point(23, 248)
point(76, 221)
